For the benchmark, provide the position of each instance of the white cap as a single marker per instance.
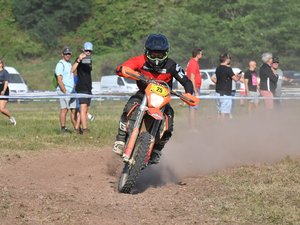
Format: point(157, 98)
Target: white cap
point(88, 46)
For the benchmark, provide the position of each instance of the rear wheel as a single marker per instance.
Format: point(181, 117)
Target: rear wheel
point(131, 172)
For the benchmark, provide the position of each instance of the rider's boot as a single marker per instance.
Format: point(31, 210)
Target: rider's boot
point(119, 144)
point(155, 156)
point(119, 147)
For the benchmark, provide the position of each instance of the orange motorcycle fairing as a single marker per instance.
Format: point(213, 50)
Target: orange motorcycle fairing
point(190, 99)
point(155, 113)
point(157, 95)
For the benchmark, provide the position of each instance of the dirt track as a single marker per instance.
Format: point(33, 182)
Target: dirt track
point(78, 187)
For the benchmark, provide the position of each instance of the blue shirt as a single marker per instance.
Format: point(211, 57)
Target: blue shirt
point(64, 68)
point(4, 75)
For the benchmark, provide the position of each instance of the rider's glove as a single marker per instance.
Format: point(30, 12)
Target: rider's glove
point(119, 70)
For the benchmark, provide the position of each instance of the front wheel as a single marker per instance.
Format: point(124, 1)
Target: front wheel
point(131, 172)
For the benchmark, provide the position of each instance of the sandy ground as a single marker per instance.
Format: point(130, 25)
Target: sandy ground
point(64, 187)
point(79, 187)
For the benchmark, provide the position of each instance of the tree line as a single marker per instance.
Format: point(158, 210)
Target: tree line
point(246, 29)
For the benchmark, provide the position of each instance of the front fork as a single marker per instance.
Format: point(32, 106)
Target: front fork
point(135, 131)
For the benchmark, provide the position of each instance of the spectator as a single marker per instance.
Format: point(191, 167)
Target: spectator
point(83, 67)
point(4, 75)
point(77, 113)
point(224, 77)
point(193, 73)
point(65, 82)
point(281, 77)
point(233, 91)
point(268, 80)
point(252, 85)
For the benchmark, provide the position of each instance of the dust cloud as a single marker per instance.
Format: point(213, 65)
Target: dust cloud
point(214, 144)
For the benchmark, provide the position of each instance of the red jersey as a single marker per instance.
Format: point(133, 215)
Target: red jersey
point(193, 68)
point(169, 71)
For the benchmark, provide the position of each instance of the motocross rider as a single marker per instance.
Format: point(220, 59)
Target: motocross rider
point(154, 64)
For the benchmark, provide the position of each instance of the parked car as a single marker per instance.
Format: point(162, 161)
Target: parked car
point(16, 83)
point(207, 83)
point(291, 74)
point(207, 74)
point(96, 87)
point(117, 84)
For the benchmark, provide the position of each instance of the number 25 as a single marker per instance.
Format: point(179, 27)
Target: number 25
point(159, 89)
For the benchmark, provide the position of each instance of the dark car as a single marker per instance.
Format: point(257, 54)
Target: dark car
point(294, 75)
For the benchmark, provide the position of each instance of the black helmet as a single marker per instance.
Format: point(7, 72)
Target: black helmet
point(156, 50)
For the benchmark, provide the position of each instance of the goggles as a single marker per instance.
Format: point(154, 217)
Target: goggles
point(157, 55)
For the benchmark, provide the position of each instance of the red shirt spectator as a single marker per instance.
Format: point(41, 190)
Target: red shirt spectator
point(193, 71)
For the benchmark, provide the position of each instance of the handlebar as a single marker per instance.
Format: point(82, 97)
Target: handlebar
point(188, 98)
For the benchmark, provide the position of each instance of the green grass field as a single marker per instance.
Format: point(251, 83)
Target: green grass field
point(38, 127)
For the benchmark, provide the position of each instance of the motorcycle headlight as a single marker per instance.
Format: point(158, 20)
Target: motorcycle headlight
point(156, 100)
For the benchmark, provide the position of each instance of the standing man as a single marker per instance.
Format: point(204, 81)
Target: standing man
point(268, 80)
point(252, 85)
point(193, 73)
point(224, 77)
point(82, 67)
point(65, 82)
point(281, 77)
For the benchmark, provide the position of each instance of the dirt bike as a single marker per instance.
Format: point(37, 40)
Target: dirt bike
point(148, 128)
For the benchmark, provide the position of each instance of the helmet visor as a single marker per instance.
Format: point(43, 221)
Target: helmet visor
point(157, 55)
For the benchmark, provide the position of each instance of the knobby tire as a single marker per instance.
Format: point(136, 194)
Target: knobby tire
point(131, 173)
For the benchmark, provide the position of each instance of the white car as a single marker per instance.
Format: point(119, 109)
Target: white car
point(212, 72)
point(96, 88)
point(117, 84)
point(16, 83)
point(207, 83)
